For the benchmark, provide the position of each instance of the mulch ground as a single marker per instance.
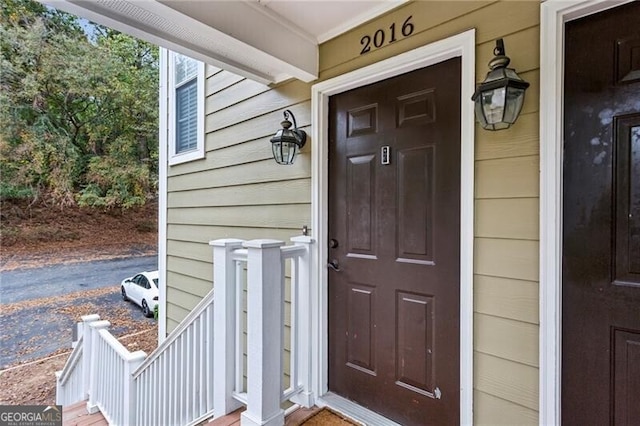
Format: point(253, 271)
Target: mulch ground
point(37, 235)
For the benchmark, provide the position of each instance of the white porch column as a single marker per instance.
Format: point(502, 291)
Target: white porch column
point(87, 320)
point(303, 315)
point(224, 326)
point(265, 330)
point(95, 326)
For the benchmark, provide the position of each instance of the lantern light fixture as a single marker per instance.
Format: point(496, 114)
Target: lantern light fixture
point(499, 98)
point(286, 143)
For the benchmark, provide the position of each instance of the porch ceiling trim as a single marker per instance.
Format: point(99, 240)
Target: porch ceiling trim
point(235, 35)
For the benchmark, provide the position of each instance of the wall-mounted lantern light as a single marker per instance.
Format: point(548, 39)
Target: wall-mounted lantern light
point(286, 142)
point(499, 98)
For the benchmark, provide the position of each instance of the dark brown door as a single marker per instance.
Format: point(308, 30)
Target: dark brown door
point(601, 263)
point(394, 207)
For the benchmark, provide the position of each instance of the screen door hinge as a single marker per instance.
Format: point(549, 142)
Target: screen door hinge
point(385, 155)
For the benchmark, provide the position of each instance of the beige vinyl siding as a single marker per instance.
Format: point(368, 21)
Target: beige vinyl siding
point(506, 191)
point(237, 190)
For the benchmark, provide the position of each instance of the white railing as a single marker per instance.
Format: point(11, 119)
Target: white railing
point(175, 383)
point(265, 262)
point(112, 388)
point(72, 382)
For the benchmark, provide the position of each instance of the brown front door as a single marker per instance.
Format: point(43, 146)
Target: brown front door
point(601, 221)
point(394, 229)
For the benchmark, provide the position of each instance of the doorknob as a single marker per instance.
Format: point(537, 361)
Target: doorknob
point(333, 264)
point(333, 243)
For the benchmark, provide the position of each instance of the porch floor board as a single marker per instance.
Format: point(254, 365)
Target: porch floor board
point(76, 415)
point(294, 419)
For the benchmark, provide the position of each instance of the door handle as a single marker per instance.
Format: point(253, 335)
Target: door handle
point(333, 264)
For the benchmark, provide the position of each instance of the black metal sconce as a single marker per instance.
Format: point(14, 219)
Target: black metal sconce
point(499, 98)
point(286, 143)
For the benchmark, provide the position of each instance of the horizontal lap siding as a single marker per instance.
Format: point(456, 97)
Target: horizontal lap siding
point(237, 190)
point(506, 190)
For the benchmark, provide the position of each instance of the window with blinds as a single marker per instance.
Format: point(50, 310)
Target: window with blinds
point(186, 98)
point(184, 106)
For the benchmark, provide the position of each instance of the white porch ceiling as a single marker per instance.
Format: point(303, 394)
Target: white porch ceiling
point(266, 40)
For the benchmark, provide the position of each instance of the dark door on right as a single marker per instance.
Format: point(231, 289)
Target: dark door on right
point(601, 220)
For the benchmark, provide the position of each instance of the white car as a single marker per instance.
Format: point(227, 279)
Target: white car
point(142, 289)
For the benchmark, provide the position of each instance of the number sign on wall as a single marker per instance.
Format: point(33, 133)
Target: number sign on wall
point(386, 36)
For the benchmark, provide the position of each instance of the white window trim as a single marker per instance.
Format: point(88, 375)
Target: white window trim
point(198, 152)
point(463, 46)
point(554, 14)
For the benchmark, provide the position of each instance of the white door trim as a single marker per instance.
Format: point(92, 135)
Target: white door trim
point(461, 45)
point(554, 14)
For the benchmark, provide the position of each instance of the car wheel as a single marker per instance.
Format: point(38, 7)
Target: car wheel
point(145, 309)
point(124, 294)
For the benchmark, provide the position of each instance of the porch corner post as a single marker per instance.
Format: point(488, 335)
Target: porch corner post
point(87, 320)
point(130, 394)
point(95, 327)
point(265, 330)
point(224, 325)
point(304, 316)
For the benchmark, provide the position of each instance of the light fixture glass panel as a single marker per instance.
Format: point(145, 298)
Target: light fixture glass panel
point(284, 152)
point(515, 99)
point(493, 105)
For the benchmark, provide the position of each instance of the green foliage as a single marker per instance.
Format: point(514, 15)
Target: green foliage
point(78, 117)
point(155, 312)
point(11, 192)
point(114, 185)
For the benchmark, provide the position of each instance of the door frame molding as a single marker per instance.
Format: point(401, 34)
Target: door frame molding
point(553, 16)
point(460, 45)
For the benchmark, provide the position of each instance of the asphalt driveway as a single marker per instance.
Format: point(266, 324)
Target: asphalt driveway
point(39, 307)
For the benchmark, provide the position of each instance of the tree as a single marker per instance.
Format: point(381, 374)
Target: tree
point(78, 117)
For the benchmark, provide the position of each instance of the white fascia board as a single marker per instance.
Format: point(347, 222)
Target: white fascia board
point(160, 24)
point(285, 42)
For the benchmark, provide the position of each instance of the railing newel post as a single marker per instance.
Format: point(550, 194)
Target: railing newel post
point(60, 400)
point(87, 348)
point(130, 396)
point(224, 320)
point(265, 321)
point(95, 327)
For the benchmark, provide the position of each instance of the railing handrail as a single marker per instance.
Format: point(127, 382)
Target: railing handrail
point(190, 318)
point(240, 254)
point(74, 358)
point(294, 250)
point(119, 348)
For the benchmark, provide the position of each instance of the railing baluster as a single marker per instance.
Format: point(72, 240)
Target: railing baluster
point(295, 286)
point(239, 351)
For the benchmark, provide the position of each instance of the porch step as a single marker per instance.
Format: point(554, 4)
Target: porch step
point(76, 415)
point(294, 419)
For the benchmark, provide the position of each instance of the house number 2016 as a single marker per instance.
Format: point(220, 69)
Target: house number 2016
point(379, 38)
